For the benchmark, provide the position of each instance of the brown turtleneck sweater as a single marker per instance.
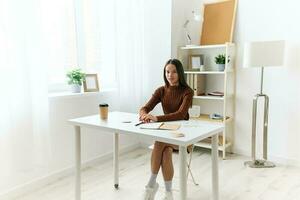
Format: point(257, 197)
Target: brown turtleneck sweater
point(175, 101)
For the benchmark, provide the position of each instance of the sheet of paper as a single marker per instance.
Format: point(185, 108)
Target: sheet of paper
point(153, 125)
point(172, 127)
point(161, 126)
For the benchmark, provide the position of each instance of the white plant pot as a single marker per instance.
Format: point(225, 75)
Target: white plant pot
point(221, 67)
point(75, 88)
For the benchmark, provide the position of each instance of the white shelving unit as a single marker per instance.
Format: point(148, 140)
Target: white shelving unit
point(214, 80)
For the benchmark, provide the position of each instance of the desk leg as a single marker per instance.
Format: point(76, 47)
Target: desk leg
point(116, 160)
point(215, 169)
point(182, 172)
point(77, 163)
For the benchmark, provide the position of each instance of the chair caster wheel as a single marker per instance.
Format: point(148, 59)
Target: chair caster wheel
point(116, 186)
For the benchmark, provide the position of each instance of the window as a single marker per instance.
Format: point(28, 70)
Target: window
point(83, 37)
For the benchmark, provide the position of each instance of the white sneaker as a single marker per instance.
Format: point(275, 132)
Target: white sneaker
point(168, 196)
point(150, 192)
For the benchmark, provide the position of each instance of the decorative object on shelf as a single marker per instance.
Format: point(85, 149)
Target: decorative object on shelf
point(196, 62)
point(206, 117)
point(220, 61)
point(215, 116)
point(90, 84)
point(75, 76)
point(196, 17)
point(218, 23)
point(262, 54)
point(194, 111)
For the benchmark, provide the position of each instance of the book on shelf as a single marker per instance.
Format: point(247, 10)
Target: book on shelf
point(197, 83)
point(160, 126)
point(218, 94)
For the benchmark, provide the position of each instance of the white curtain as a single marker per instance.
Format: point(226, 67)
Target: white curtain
point(111, 42)
point(38, 43)
point(24, 137)
point(129, 23)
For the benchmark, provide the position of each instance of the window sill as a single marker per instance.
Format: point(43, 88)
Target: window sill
point(67, 95)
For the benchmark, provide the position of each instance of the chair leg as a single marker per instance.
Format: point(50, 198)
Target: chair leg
point(189, 167)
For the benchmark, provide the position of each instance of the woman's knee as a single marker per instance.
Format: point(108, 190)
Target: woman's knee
point(159, 145)
point(167, 153)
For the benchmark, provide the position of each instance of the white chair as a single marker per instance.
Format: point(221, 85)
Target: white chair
point(188, 163)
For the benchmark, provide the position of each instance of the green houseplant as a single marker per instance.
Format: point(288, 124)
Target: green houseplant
point(220, 61)
point(75, 79)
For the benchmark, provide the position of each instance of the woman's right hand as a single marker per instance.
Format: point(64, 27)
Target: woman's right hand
point(143, 115)
point(146, 117)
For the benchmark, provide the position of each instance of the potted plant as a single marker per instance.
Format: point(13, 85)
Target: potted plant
point(220, 61)
point(75, 76)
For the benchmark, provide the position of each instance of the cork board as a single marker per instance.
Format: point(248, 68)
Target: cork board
point(218, 23)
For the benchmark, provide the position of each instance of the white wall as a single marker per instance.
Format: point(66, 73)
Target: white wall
point(270, 20)
point(62, 134)
point(264, 20)
point(61, 143)
point(182, 11)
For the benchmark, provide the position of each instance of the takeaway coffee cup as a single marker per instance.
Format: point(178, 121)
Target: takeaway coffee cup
point(103, 111)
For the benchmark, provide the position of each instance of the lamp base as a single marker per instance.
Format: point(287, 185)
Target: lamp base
point(259, 164)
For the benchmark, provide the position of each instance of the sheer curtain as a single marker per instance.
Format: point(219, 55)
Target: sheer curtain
point(111, 42)
point(130, 70)
point(28, 49)
point(38, 41)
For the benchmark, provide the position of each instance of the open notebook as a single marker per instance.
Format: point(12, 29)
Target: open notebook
point(160, 126)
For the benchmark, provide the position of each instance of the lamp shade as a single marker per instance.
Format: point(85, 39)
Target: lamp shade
point(264, 54)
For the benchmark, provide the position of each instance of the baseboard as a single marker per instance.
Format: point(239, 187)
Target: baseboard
point(284, 161)
point(242, 152)
point(276, 159)
point(42, 181)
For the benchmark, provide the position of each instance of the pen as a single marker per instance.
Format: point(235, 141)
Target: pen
point(139, 123)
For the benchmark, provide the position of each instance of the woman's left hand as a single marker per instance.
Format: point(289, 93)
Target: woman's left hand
point(149, 117)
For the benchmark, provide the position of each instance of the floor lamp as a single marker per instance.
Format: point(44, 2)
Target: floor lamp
point(262, 54)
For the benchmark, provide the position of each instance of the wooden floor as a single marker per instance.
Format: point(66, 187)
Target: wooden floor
point(236, 181)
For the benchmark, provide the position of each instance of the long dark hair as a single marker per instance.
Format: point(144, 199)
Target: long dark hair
point(180, 72)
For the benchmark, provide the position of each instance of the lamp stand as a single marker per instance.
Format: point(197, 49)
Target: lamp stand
point(258, 163)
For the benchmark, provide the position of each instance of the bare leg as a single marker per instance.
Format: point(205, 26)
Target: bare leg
point(161, 156)
point(156, 157)
point(167, 164)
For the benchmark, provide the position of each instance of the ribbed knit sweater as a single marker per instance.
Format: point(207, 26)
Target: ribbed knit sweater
point(175, 101)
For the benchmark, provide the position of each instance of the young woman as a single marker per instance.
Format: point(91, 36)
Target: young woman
point(176, 98)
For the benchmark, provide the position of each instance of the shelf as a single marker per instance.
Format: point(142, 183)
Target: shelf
point(208, 145)
point(209, 97)
point(204, 72)
point(206, 46)
point(208, 72)
point(210, 80)
point(205, 117)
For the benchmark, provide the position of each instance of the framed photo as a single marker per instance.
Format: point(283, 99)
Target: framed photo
point(90, 84)
point(196, 62)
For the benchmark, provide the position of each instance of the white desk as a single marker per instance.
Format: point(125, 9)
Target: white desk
point(115, 124)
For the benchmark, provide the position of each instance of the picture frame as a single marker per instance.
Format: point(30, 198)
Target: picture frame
point(196, 62)
point(90, 84)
